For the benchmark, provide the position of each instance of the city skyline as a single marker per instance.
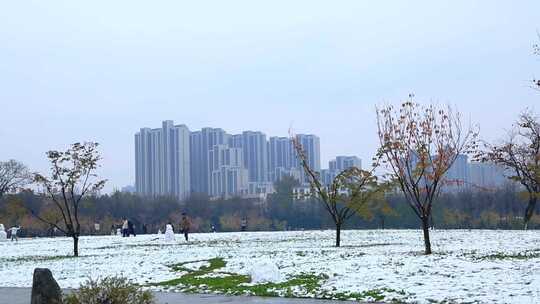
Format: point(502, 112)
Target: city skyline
point(172, 160)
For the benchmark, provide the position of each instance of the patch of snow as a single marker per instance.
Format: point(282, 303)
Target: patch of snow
point(196, 265)
point(3, 234)
point(458, 271)
point(214, 275)
point(265, 271)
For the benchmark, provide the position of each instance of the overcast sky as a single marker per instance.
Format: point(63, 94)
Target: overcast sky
point(100, 70)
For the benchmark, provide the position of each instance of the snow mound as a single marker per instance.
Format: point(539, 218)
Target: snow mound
point(3, 234)
point(169, 233)
point(265, 272)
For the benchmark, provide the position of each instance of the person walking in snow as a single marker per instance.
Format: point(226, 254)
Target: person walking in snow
point(243, 224)
point(14, 231)
point(131, 229)
point(144, 229)
point(185, 225)
point(125, 227)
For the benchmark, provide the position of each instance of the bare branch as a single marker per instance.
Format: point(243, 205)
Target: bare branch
point(520, 153)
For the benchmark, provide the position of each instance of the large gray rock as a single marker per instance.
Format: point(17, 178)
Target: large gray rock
point(45, 290)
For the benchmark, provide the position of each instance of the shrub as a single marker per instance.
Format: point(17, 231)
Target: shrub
point(110, 290)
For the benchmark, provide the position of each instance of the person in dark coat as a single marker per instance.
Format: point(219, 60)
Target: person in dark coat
point(131, 229)
point(243, 224)
point(185, 225)
point(125, 228)
point(144, 229)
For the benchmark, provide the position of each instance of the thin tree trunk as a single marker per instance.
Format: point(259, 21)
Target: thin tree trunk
point(338, 235)
point(75, 246)
point(529, 211)
point(425, 228)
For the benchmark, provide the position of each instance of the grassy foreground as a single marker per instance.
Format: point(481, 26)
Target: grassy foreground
point(209, 279)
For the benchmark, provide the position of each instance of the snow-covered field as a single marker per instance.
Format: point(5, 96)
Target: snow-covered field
point(467, 266)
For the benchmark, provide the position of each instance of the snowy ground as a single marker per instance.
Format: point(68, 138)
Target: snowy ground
point(467, 266)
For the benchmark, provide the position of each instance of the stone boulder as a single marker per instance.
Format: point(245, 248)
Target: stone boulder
point(45, 290)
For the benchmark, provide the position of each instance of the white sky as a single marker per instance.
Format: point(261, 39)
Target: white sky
point(99, 70)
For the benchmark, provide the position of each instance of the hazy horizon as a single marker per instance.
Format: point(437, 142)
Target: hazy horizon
point(102, 70)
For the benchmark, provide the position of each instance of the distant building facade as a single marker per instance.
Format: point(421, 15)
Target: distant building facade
point(282, 159)
point(341, 163)
point(311, 146)
point(228, 175)
point(172, 160)
point(337, 165)
point(200, 144)
point(465, 175)
point(488, 175)
point(254, 147)
point(457, 178)
point(162, 160)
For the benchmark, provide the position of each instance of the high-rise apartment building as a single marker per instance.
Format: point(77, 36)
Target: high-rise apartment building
point(162, 160)
point(312, 148)
point(148, 158)
point(487, 175)
point(282, 158)
point(254, 147)
point(201, 142)
point(178, 175)
point(171, 160)
point(327, 176)
point(341, 163)
point(459, 170)
point(337, 165)
point(227, 173)
point(457, 177)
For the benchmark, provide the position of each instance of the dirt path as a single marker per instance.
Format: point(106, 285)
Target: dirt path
point(22, 296)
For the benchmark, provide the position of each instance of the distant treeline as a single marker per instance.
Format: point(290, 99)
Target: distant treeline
point(497, 209)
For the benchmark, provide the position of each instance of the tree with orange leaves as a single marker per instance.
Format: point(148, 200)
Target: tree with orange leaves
point(419, 144)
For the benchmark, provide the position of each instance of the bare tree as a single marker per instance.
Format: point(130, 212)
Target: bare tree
point(72, 177)
point(349, 193)
point(419, 144)
point(521, 154)
point(13, 175)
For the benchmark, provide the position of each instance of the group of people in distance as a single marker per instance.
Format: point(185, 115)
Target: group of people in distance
point(185, 225)
point(128, 228)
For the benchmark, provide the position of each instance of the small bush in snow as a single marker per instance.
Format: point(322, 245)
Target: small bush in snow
point(110, 290)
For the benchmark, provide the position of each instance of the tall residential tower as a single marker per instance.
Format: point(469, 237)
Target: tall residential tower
point(200, 143)
point(162, 160)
